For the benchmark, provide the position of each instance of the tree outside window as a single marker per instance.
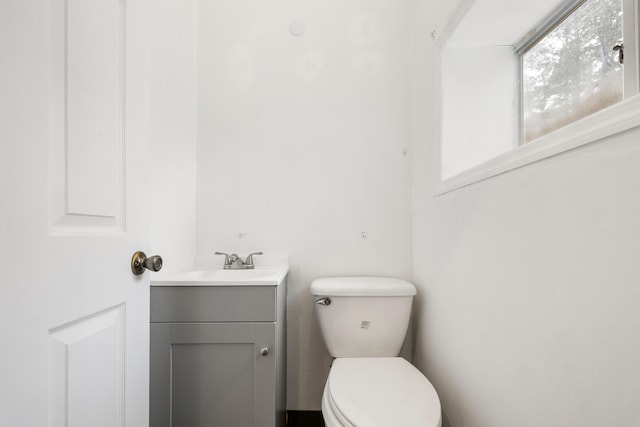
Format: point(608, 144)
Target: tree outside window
point(573, 71)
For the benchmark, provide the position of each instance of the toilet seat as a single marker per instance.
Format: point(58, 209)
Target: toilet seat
point(379, 392)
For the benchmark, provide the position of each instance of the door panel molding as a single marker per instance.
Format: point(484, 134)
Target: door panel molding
point(87, 64)
point(87, 371)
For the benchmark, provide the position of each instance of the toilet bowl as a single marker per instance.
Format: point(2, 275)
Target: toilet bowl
point(363, 321)
point(379, 392)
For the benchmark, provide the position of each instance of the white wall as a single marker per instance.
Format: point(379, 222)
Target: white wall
point(529, 281)
point(302, 147)
point(172, 179)
point(478, 104)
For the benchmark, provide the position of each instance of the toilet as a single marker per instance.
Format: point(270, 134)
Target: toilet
point(364, 321)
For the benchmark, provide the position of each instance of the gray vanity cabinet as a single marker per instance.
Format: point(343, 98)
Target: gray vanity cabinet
point(218, 356)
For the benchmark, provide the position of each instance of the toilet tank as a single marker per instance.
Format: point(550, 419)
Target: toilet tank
point(363, 316)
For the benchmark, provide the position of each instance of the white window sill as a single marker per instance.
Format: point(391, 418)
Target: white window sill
point(618, 118)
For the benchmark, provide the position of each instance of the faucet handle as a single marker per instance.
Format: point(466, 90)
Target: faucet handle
point(249, 262)
point(227, 260)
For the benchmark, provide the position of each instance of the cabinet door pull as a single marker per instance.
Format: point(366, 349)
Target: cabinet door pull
point(264, 351)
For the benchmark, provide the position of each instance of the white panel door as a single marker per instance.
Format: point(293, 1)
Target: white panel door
point(74, 332)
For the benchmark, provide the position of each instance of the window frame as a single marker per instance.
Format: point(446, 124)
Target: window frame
point(609, 121)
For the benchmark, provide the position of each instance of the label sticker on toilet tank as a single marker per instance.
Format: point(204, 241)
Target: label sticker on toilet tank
point(365, 324)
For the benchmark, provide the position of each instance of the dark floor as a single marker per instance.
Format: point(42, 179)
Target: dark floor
point(304, 419)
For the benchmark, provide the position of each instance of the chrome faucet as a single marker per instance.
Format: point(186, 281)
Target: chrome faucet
point(249, 262)
point(234, 262)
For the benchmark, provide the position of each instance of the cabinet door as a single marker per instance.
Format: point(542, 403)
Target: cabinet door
point(213, 375)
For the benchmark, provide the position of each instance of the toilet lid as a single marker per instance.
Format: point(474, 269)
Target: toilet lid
point(382, 392)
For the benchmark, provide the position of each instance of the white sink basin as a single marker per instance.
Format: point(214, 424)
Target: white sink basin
point(218, 277)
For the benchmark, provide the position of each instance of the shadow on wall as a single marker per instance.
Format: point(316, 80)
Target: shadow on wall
point(445, 420)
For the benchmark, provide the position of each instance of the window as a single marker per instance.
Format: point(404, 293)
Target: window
point(510, 97)
point(574, 69)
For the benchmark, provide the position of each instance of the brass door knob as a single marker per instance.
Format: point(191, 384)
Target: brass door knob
point(139, 262)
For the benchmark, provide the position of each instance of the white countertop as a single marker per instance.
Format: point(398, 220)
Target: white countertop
point(270, 270)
